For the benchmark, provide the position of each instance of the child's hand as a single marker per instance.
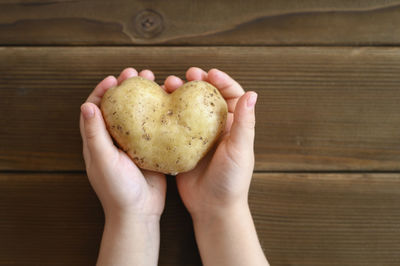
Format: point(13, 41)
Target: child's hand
point(221, 180)
point(118, 182)
point(133, 200)
point(216, 191)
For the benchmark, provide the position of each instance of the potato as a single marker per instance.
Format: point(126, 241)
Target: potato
point(163, 132)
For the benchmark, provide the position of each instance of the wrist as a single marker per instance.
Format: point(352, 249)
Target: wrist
point(130, 237)
point(228, 237)
point(130, 219)
point(215, 216)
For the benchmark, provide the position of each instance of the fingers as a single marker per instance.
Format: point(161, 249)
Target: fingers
point(131, 72)
point(228, 124)
point(227, 86)
point(195, 73)
point(241, 136)
point(82, 130)
point(172, 83)
point(127, 73)
point(111, 81)
point(101, 88)
point(147, 74)
point(95, 135)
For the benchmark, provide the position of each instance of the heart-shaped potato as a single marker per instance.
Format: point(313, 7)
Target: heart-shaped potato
point(163, 132)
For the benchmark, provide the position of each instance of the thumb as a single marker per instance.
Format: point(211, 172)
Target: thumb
point(242, 130)
point(96, 137)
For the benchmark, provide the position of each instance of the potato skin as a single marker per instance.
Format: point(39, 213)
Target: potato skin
point(163, 132)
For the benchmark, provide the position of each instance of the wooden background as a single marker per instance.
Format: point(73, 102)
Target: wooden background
point(326, 188)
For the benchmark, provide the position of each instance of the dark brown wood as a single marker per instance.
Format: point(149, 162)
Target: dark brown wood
point(253, 22)
point(56, 219)
point(328, 219)
point(301, 219)
point(318, 109)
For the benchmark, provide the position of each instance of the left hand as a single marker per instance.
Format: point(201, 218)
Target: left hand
point(221, 180)
point(215, 192)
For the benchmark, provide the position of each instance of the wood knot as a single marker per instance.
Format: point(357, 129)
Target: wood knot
point(148, 23)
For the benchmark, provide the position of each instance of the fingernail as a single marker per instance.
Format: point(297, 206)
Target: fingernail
point(251, 101)
point(87, 111)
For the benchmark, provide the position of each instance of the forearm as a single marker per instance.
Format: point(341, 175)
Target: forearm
point(228, 238)
point(130, 241)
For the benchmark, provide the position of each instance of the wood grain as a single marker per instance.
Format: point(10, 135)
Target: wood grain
point(206, 22)
point(301, 219)
point(319, 109)
point(56, 219)
point(328, 219)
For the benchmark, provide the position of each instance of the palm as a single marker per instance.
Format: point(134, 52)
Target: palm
point(211, 180)
point(118, 182)
point(135, 186)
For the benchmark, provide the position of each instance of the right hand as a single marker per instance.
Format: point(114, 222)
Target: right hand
point(123, 189)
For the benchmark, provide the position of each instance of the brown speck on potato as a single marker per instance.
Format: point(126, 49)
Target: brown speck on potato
point(144, 122)
point(134, 151)
point(112, 126)
point(212, 104)
point(178, 160)
point(163, 120)
point(114, 113)
point(157, 165)
point(168, 148)
point(119, 127)
point(215, 91)
point(146, 136)
point(205, 141)
point(170, 112)
point(190, 143)
point(127, 132)
point(201, 138)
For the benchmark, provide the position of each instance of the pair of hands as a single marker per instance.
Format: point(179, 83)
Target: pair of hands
point(215, 192)
point(220, 181)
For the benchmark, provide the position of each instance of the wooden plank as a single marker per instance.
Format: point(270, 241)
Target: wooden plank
point(56, 219)
point(301, 219)
point(328, 219)
point(318, 109)
point(253, 22)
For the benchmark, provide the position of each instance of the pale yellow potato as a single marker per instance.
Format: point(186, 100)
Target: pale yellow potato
point(163, 132)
